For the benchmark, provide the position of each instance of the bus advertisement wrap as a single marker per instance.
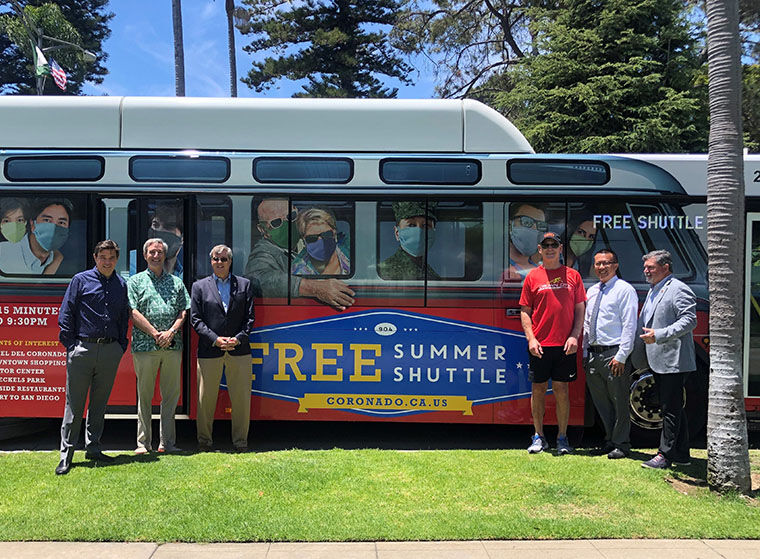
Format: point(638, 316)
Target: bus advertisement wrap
point(388, 363)
point(32, 361)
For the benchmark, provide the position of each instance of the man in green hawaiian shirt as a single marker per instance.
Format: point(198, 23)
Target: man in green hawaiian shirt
point(159, 303)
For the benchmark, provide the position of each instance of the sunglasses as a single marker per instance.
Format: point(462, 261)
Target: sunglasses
point(323, 235)
point(220, 259)
point(550, 245)
point(278, 221)
point(527, 221)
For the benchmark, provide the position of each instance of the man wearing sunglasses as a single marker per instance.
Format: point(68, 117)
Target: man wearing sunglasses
point(552, 305)
point(221, 312)
point(527, 224)
point(269, 263)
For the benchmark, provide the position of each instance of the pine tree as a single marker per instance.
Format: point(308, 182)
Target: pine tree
point(89, 19)
point(339, 47)
point(611, 76)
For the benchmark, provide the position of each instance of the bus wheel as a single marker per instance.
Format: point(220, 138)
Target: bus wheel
point(644, 401)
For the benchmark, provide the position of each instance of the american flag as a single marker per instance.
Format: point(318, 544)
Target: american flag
point(58, 74)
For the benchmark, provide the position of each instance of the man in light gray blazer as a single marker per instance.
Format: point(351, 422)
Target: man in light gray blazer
point(665, 345)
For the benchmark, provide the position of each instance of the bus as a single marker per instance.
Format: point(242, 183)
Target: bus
point(411, 326)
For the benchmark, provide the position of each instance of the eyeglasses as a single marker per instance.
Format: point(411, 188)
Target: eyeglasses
point(550, 245)
point(220, 259)
point(527, 221)
point(323, 235)
point(278, 221)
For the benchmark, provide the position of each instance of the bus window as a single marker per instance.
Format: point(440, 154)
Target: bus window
point(158, 218)
point(660, 231)
point(43, 235)
point(526, 223)
point(213, 227)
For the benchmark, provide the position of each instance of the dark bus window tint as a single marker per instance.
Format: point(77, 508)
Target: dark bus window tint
point(179, 169)
point(24, 169)
point(552, 171)
point(303, 170)
point(430, 171)
point(321, 243)
point(43, 235)
point(213, 227)
point(456, 250)
point(526, 223)
point(660, 230)
point(158, 218)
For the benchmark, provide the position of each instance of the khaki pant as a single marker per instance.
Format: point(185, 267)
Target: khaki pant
point(237, 371)
point(147, 364)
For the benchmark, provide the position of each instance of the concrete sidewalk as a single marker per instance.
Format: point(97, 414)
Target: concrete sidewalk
point(555, 549)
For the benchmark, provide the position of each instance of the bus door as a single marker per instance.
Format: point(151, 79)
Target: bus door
point(130, 222)
point(752, 308)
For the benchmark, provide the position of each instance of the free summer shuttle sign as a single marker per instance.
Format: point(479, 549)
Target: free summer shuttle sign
point(389, 363)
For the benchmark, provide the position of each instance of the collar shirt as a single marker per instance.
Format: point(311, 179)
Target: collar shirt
point(617, 318)
point(160, 299)
point(18, 258)
point(223, 285)
point(94, 306)
point(654, 291)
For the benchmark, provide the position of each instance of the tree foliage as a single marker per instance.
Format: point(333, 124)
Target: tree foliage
point(339, 47)
point(610, 76)
point(83, 22)
point(468, 41)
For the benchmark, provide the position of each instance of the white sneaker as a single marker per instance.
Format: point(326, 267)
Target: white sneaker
point(538, 444)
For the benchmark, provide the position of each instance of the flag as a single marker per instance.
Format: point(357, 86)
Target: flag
point(58, 74)
point(40, 63)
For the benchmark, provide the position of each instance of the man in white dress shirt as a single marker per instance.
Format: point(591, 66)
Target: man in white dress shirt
point(610, 328)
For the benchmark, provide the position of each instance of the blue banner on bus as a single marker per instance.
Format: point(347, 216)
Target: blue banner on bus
point(389, 363)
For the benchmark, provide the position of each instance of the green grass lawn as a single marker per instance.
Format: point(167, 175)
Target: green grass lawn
point(338, 495)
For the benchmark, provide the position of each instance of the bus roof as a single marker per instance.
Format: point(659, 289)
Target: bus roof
point(314, 125)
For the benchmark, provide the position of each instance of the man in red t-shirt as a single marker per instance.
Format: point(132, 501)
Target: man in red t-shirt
point(552, 304)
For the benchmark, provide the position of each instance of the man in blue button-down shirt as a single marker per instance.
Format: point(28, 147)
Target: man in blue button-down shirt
point(93, 320)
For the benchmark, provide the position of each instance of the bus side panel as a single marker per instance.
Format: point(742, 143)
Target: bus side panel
point(32, 360)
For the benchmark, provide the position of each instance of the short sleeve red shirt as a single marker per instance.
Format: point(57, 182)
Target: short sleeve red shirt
point(552, 294)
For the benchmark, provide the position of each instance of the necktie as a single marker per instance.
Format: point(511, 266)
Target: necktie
point(595, 315)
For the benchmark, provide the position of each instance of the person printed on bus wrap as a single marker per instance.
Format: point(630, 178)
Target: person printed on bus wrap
point(47, 230)
point(527, 225)
point(13, 219)
point(166, 224)
point(93, 321)
point(268, 262)
point(415, 225)
point(581, 241)
point(324, 251)
point(159, 302)
point(552, 304)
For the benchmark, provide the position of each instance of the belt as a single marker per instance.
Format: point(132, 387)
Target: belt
point(97, 340)
point(601, 348)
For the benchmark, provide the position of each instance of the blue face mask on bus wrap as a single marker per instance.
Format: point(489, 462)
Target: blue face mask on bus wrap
point(50, 236)
point(323, 248)
point(412, 240)
point(525, 240)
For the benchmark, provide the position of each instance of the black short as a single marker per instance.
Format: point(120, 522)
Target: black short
point(554, 365)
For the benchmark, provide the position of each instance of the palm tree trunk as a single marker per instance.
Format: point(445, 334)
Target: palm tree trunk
point(727, 454)
point(230, 7)
point(179, 49)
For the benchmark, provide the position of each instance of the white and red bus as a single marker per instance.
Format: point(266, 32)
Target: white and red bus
point(442, 345)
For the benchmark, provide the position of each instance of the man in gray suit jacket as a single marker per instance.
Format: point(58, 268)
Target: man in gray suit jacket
point(665, 345)
point(221, 312)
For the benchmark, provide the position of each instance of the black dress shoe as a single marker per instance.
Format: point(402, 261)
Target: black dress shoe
point(62, 468)
point(99, 457)
point(616, 454)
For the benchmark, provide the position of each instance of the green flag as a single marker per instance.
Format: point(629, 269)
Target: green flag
point(40, 63)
